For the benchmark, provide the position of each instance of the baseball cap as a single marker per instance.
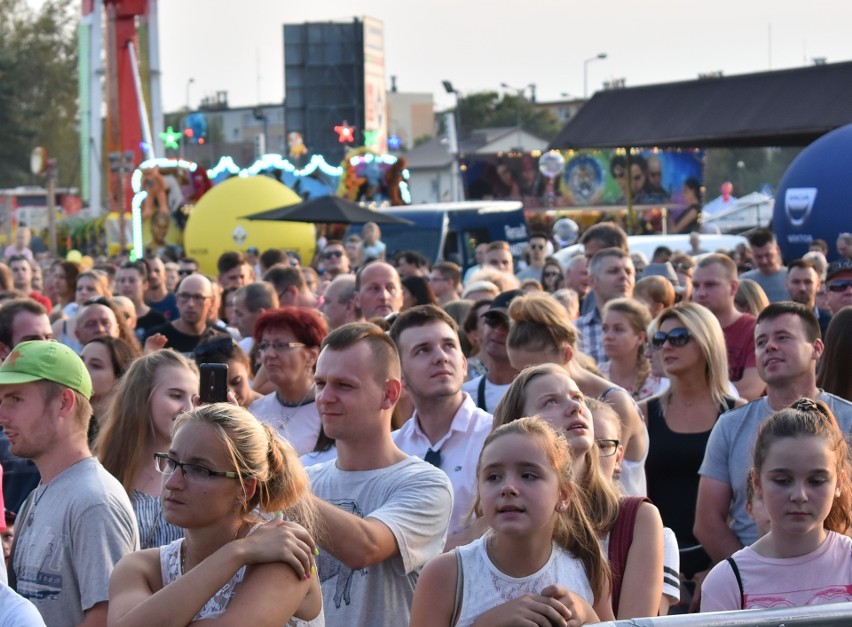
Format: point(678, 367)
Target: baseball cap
point(38, 360)
point(836, 267)
point(500, 304)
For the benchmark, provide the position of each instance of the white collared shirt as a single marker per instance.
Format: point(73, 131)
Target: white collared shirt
point(459, 449)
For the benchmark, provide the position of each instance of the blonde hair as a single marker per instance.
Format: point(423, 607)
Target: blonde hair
point(705, 331)
point(750, 297)
point(538, 323)
point(127, 430)
point(257, 452)
point(600, 494)
point(572, 529)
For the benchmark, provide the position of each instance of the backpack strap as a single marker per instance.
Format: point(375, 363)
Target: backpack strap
point(736, 570)
point(620, 539)
point(480, 394)
point(457, 602)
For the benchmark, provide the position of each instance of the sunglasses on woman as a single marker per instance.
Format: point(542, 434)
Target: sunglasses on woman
point(676, 337)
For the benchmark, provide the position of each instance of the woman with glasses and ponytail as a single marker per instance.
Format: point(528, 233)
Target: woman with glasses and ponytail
point(247, 558)
point(691, 345)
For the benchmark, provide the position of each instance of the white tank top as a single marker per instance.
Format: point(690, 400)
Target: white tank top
point(486, 587)
point(216, 606)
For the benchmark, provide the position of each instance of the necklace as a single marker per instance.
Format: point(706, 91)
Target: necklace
point(286, 417)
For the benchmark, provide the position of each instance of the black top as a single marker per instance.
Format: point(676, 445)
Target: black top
point(178, 341)
point(150, 320)
point(672, 471)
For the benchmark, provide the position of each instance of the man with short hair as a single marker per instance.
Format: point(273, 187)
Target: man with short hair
point(803, 283)
point(577, 276)
point(194, 299)
point(447, 429)
point(844, 246)
point(479, 257)
point(498, 255)
point(21, 320)
point(770, 273)
point(249, 302)
point(132, 282)
point(445, 279)
point(838, 281)
point(289, 284)
point(714, 285)
point(411, 263)
point(338, 304)
point(157, 296)
point(492, 330)
point(186, 266)
point(378, 291)
point(613, 276)
point(537, 251)
point(79, 522)
point(271, 257)
point(22, 279)
point(595, 238)
point(788, 350)
point(234, 269)
point(334, 261)
point(385, 512)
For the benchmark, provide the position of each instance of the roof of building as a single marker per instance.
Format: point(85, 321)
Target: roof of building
point(781, 108)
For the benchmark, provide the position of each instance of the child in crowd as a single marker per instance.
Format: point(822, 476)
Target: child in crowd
point(802, 474)
point(540, 561)
point(608, 441)
point(372, 247)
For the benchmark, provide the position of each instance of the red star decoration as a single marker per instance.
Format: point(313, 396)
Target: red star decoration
point(345, 133)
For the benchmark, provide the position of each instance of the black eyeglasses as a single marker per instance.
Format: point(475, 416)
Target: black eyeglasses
point(186, 272)
point(223, 346)
point(839, 286)
point(606, 447)
point(185, 297)
point(332, 253)
point(494, 320)
point(550, 274)
point(676, 337)
point(166, 465)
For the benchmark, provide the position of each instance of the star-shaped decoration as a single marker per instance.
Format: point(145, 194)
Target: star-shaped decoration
point(371, 138)
point(345, 133)
point(170, 138)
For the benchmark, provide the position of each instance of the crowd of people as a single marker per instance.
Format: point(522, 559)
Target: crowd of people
point(405, 442)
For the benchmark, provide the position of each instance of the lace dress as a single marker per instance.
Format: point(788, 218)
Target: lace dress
point(216, 606)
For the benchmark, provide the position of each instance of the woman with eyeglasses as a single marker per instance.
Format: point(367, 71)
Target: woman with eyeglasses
point(152, 393)
point(692, 346)
point(552, 275)
point(288, 341)
point(221, 473)
point(549, 392)
point(540, 332)
point(218, 348)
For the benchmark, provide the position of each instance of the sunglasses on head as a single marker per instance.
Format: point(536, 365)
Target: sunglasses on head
point(839, 286)
point(676, 337)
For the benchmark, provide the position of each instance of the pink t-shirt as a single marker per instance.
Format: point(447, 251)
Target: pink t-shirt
point(821, 577)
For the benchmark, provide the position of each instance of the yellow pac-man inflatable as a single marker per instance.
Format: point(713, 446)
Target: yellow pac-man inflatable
point(216, 224)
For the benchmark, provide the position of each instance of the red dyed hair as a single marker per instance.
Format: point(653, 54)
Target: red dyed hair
point(306, 325)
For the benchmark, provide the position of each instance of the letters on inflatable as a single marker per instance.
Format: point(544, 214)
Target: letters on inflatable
point(814, 199)
point(216, 223)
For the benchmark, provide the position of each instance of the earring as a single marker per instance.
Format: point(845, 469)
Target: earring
point(560, 508)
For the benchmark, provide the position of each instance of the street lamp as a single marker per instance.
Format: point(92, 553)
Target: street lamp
point(600, 55)
point(521, 93)
point(454, 135)
point(189, 82)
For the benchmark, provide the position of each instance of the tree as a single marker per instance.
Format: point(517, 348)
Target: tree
point(488, 109)
point(38, 88)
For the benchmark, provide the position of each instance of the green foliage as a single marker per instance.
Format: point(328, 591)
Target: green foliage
point(489, 109)
point(747, 168)
point(38, 88)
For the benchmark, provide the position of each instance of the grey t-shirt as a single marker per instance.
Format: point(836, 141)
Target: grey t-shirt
point(729, 453)
point(82, 524)
point(775, 285)
point(414, 499)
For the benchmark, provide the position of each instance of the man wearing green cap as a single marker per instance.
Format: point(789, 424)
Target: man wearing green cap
point(78, 522)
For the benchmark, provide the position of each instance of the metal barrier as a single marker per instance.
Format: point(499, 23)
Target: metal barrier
point(832, 615)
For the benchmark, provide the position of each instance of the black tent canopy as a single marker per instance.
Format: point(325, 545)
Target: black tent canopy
point(781, 108)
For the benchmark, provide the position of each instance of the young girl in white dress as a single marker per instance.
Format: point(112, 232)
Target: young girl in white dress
point(519, 570)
